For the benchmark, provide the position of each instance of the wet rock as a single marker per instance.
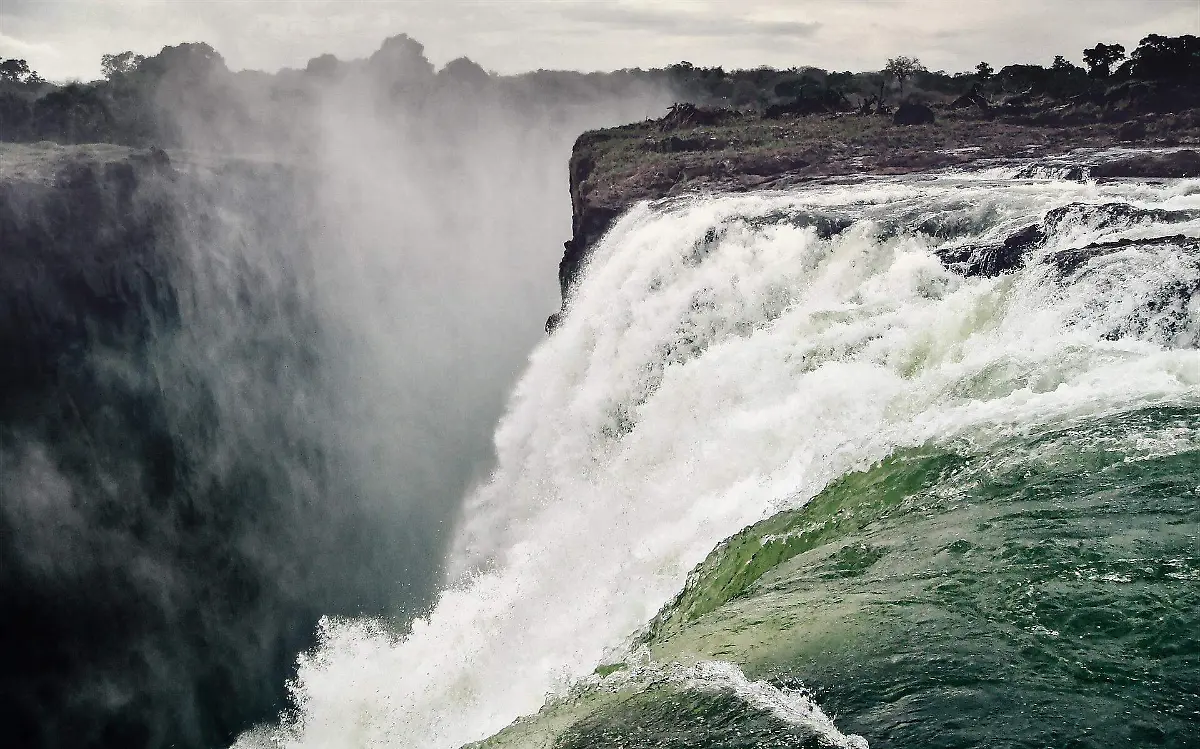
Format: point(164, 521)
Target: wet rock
point(802, 106)
point(1068, 262)
point(991, 261)
point(1132, 132)
point(1152, 97)
point(1184, 163)
point(1113, 216)
point(149, 614)
point(1166, 308)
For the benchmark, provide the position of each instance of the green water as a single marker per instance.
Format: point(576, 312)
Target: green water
point(1042, 593)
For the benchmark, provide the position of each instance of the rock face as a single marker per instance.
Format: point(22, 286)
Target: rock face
point(141, 616)
point(172, 520)
point(87, 251)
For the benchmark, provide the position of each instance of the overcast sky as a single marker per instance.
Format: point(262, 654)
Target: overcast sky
point(65, 38)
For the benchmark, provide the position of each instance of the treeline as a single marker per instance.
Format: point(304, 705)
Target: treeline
point(186, 93)
point(1157, 59)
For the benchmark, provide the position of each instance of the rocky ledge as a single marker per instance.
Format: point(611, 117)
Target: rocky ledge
point(695, 151)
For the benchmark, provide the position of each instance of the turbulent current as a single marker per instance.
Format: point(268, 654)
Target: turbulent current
point(966, 497)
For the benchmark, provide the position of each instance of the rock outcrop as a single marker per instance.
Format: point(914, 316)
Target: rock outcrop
point(991, 261)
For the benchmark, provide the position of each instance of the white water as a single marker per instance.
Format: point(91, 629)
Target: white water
point(683, 399)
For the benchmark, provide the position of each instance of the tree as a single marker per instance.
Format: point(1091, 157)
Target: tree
point(16, 111)
point(1061, 63)
point(745, 93)
point(401, 59)
point(1100, 59)
point(1158, 57)
point(795, 86)
point(188, 62)
point(903, 68)
point(465, 71)
point(324, 66)
point(120, 64)
point(984, 72)
point(14, 71)
point(73, 114)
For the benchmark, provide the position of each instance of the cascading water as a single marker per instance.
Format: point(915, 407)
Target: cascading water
point(726, 358)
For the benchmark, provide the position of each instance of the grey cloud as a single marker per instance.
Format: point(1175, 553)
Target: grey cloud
point(685, 24)
point(65, 38)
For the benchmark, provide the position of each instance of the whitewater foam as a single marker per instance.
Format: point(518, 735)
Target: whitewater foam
point(721, 361)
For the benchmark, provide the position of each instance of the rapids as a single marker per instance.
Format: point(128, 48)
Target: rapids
point(726, 358)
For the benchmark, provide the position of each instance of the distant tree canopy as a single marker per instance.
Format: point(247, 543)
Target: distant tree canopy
point(1161, 57)
point(183, 64)
point(401, 58)
point(1101, 58)
point(463, 70)
point(18, 71)
point(325, 66)
point(1063, 64)
point(187, 89)
point(14, 71)
point(903, 68)
point(120, 64)
point(75, 113)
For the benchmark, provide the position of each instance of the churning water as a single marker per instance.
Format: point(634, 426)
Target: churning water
point(727, 358)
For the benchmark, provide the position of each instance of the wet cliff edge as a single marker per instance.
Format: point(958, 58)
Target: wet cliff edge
point(693, 151)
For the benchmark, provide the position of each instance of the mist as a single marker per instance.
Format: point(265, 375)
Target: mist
point(279, 420)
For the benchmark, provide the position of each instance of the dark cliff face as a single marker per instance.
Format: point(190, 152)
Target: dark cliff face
point(588, 221)
point(173, 517)
point(131, 622)
point(87, 250)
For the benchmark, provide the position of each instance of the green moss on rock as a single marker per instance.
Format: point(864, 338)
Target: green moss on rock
point(844, 507)
point(606, 669)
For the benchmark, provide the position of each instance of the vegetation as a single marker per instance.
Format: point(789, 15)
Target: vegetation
point(1100, 59)
point(188, 89)
point(903, 68)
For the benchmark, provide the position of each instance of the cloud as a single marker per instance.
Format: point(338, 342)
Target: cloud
point(686, 23)
point(12, 47)
point(66, 38)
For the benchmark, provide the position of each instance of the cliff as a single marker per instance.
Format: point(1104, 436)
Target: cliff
point(86, 237)
point(142, 530)
point(697, 151)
